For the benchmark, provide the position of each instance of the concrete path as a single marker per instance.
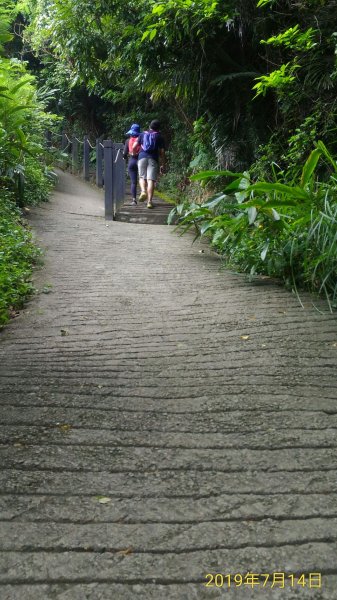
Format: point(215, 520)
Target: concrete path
point(162, 420)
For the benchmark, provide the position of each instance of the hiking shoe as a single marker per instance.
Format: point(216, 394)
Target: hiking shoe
point(150, 205)
point(134, 202)
point(142, 197)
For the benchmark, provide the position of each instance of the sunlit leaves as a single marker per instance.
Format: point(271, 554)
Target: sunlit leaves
point(278, 80)
point(294, 39)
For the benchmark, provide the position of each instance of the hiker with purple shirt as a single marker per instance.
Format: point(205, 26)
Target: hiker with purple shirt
point(133, 154)
point(152, 149)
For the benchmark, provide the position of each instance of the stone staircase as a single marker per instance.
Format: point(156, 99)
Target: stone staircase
point(140, 214)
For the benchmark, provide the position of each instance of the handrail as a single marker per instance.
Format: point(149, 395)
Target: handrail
point(110, 171)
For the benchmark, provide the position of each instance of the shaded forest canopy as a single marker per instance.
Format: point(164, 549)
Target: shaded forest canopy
point(225, 75)
point(243, 86)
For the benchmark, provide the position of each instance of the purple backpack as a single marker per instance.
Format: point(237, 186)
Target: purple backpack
point(149, 141)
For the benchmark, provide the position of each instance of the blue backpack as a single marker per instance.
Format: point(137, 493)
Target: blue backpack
point(149, 141)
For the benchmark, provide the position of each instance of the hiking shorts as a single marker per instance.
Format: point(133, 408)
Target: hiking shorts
point(148, 168)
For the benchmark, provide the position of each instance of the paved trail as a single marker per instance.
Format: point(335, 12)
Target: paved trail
point(161, 420)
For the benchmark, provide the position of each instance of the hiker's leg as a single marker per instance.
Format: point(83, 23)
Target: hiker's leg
point(133, 172)
point(142, 170)
point(150, 189)
point(142, 184)
point(152, 173)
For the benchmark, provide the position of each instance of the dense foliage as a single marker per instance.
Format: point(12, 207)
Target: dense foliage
point(24, 177)
point(17, 256)
point(283, 230)
point(23, 123)
point(247, 86)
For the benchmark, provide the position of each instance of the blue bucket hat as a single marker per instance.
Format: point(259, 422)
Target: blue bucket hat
point(134, 130)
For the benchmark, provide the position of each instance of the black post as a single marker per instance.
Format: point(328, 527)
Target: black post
point(99, 163)
point(74, 153)
point(64, 144)
point(86, 158)
point(48, 139)
point(118, 176)
point(108, 181)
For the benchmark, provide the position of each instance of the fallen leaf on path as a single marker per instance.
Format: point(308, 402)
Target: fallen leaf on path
point(126, 552)
point(244, 337)
point(103, 499)
point(64, 332)
point(64, 426)
point(46, 289)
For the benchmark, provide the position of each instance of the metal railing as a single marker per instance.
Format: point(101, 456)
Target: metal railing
point(107, 156)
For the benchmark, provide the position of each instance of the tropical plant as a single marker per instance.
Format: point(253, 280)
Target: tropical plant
point(23, 120)
point(17, 257)
point(23, 173)
point(285, 230)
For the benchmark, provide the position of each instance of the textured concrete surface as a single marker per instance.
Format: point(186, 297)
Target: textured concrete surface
point(162, 419)
point(141, 214)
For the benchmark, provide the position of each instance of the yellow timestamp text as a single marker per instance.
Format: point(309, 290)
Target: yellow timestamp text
point(263, 580)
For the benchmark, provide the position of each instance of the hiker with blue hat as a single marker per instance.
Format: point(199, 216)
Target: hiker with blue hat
point(131, 151)
point(152, 152)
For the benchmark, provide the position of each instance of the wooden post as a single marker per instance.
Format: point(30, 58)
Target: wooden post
point(99, 163)
point(108, 179)
point(86, 158)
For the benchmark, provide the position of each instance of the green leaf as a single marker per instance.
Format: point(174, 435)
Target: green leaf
point(291, 191)
point(205, 227)
point(5, 37)
point(171, 216)
point(264, 251)
point(239, 75)
point(21, 136)
point(275, 214)
point(218, 236)
point(213, 203)
point(103, 499)
point(210, 174)
point(145, 34)
point(241, 196)
point(19, 85)
point(310, 167)
point(234, 185)
point(322, 147)
point(252, 214)
point(14, 109)
point(158, 9)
